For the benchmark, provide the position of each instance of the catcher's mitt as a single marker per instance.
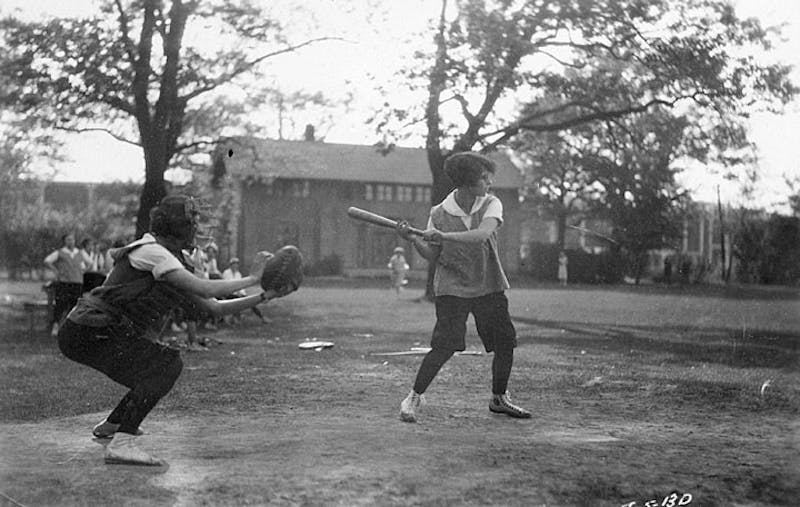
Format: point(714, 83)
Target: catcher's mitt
point(283, 271)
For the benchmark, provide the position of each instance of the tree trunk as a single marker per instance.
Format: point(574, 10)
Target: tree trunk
point(562, 228)
point(153, 189)
point(433, 148)
point(442, 185)
point(725, 274)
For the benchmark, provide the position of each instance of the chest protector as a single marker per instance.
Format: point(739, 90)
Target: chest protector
point(131, 298)
point(466, 269)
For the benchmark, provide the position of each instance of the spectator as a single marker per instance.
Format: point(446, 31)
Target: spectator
point(196, 260)
point(686, 270)
point(93, 265)
point(563, 261)
point(104, 262)
point(667, 270)
point(233, 273)
point(67, 264)
point(210, 261)
point(399, 269)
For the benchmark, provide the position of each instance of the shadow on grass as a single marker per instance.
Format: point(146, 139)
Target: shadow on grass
point(752, 349)
point(738, 292)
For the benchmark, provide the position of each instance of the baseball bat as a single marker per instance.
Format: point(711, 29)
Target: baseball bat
point(375, 219)
point(594, 233)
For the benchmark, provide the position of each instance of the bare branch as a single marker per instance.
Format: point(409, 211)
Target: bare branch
point(225, 78)
point(98, 129)
point(562, 62)
point(118, 103)
point(596, 114)
point(130, 47)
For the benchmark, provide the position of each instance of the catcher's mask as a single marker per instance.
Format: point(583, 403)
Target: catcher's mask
point(176, 216)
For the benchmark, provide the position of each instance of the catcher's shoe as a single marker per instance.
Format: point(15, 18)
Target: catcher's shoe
point(122, 450)
point(501, 404)
point(409, 406)
point(105, 429)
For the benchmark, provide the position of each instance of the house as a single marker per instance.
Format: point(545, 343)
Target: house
point(700, 248)
point(298, 192)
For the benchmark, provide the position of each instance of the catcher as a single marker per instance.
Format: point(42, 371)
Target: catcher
point(108, 329)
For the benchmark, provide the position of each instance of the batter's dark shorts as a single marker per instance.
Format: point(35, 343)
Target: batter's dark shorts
point(491, 319)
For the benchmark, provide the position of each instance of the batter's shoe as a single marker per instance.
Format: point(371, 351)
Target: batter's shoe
point(106, 429)
point(122, 450)
point(501, 404)
point(409, 406)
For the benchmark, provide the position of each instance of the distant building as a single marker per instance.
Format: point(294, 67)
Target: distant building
point(700, 246)
point(298, 192)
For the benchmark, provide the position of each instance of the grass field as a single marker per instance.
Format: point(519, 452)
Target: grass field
point(673, 396)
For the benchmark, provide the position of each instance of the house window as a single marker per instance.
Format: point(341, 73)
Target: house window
point(301, 189)
point(384, 193)
point(405, 194)
point(368, 192)
point(423, 194)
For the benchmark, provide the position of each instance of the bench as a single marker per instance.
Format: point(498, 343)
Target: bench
point(32, 308)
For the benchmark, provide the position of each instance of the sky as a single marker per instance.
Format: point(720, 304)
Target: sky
point(776, 136)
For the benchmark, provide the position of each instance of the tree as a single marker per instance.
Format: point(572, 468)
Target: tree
point(794, 197)
point(137, 71)
point(555, 182)
point(489, 53)
point(622, 170)
point(634, 165)
point(767, 248)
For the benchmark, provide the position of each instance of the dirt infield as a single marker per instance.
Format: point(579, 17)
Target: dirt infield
point(637, 397)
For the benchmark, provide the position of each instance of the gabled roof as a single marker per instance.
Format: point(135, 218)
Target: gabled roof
point(314, 160)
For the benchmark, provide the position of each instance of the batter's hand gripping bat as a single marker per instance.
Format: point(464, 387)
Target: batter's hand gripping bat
point(375, 219)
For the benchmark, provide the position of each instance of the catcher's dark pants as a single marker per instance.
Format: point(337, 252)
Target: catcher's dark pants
point(148, 369)
point(65, 296)
point(495, 330)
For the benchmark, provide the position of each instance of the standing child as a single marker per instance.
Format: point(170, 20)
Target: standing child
point(461, 240)
point(563, 262)
point(233, 273)
point(399, 268)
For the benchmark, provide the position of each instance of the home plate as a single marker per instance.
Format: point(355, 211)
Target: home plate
point(578, 437)
point(315, 345)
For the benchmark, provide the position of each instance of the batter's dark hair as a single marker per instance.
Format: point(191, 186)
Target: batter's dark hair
point(467, 167)
point(175, 216)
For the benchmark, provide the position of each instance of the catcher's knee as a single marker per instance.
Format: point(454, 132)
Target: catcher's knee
point(168, 376)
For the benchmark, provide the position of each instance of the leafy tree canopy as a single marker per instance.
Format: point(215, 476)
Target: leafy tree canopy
point(146, 72)
point(581, 61)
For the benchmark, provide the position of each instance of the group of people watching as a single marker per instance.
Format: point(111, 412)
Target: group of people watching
point(80, 267)
point(77, 269)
